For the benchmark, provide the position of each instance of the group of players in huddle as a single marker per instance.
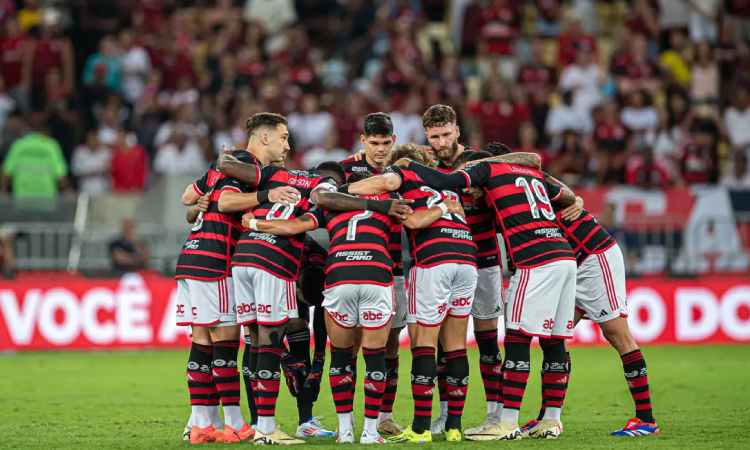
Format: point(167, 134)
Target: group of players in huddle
point(249, 266)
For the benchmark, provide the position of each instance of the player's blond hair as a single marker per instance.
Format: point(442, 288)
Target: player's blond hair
point(417, 153)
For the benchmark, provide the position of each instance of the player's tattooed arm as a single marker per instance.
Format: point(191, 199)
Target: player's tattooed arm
point(234, 168)
point(387, 182)
point(232, 201)
point(200, 207)
point(426, 217)
point(280, 227)
point(521, 159)
point(336, 201)
point(573, 211)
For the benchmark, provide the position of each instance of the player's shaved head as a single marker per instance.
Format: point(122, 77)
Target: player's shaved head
point(417, 153)
point(358, 176)
point(263, 121)
point(332, 169)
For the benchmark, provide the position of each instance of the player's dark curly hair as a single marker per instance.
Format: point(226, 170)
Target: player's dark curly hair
point(470, 155)
point(496, 148)
point(438, 116)
point(358, 176)
point(334, 169)
point(263, 120)
point(417, 153)
point(378, 124)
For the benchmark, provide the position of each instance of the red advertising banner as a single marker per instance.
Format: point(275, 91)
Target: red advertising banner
point(137, 311)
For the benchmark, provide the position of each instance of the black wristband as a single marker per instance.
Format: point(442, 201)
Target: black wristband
point(263, 197)
point(379, 206)
point(344, 189)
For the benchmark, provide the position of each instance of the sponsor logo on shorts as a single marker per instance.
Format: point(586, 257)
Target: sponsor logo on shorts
point(603, 313)
point(466, 301)
point(442, 308)
point(264, 309)
point(181, 310)
point(246, 308)
point(372, 316)
point(548, 324)
point(338, 317)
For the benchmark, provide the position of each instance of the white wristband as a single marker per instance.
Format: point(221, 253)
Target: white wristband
point(254, 224)
point(443, 207)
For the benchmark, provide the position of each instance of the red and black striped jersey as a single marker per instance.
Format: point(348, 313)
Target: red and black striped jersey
point(359, 252)
point(278, 255)
point(351, 166)
point(585, 235)
point(448, 240)
point(522, 199)
point(208, 251)
point(395, 245)
point(481, 221)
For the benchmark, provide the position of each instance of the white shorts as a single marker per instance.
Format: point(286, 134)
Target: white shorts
point(205, 303)
point(438, 291)
point(541, 301)
point(399, 301)
point(488, 298)
point(600, 286)
point(368, 305)
point(262, 297)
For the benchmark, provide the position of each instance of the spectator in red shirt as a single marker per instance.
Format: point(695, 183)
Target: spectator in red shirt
point(537, 80)
point(471, 29)
point(645, 170)
point(570, 40)
point(500, 28)
point(173, 62)
point(644, 19)
point(613, 144)
point(500, 116)
point(51, 51)
point(13, 48)
point(129, 165)
point(698, 156)
point(634, 70)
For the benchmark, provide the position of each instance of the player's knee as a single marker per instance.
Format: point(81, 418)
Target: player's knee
point(271, 335)
point(485, 324)
point(228, 333)
point(617, 333)
point(393, 344)
point(295, 325)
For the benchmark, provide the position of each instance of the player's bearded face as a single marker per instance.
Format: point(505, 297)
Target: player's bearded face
point(444, 141)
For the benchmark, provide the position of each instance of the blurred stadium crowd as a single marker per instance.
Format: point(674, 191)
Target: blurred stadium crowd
point(653, 93)
point(129, 100)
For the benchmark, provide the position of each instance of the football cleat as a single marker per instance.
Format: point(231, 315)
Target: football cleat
point(637, 427)
point(409, 436)
point(547, 429)
point(504, 430)
point(205, 435)
point(244, 434)
point(390, 428)
point(346, 437)
point(277, 437)
point(367, 438)
point(491, 420)
point(313, 428)
point(453, 435)
point(186, 434)
point(526, 429)
point(438, 425)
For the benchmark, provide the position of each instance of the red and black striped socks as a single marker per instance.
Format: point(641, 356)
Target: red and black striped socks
point(458, 386)
point(391, 386)
point(423, 374)
point(227, 379)
point(375, 377)
point(515, 373)
point(554, 376)
point(340, 377)
point(267, 386)
point(636, 375)
point(200, 383)
point(490, 367)
point(442, 381)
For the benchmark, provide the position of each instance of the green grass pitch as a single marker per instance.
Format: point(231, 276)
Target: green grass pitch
point(139, 400)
